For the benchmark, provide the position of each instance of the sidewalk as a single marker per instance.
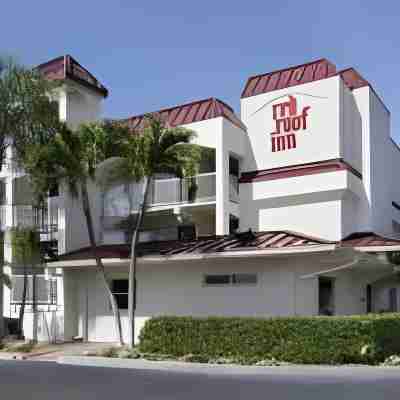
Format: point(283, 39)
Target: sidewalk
point(51, 352)
point(217, 369)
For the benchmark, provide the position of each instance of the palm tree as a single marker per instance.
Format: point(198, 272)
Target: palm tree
point(158, 149)
point(26, 111)
point(70, 159)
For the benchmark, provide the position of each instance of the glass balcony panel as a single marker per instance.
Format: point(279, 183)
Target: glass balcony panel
point(233, 188)
point(198, 189)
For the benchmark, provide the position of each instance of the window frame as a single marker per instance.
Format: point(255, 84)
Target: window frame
point(232, 282)
point(52, 291)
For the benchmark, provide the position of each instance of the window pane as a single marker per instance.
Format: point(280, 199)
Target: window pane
point(217, 279)
point(120, 285)
point(122, 301)
point(244, 279)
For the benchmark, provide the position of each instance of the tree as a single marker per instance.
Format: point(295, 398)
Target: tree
point(26, 253)
point(26, 111)
point(70, 158)
point(158, 149)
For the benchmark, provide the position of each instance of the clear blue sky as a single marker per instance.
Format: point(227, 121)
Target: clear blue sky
point(153, 54)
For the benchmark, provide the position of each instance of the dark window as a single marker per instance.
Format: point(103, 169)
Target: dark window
point(186, 232)
point(326, 296)
point(217, 279)
point(393, 300)
point(53, 192)
point(231, 279)
point(120, 289)
point(3, 197)
point(233, 224)
point(369, 298)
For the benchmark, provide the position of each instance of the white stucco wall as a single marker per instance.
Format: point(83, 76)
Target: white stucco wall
point(281, 290)
point(321, 205)
point(320, 141)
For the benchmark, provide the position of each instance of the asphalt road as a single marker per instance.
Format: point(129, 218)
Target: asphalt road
point(48, 380)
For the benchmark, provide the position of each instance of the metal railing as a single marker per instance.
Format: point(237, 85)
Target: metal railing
point(198, 189)
point(44, 219)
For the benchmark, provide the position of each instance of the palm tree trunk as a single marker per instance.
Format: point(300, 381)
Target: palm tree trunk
point(23, 303)
point(2, 324)
point(132, 295)
point(99, 263)
point(34, 307)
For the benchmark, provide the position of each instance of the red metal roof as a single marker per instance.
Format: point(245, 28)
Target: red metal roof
point(67, 67)
point(191, 112)
point(299, 74)
point(298, 170)
point(368, 239)
point(213, 244)
point(246, 241)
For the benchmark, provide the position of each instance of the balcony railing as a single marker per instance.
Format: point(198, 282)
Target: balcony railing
point(43, 219)
point(199, 189)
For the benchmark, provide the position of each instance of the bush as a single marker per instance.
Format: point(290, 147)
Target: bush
point(308, 340)
point(25, 347)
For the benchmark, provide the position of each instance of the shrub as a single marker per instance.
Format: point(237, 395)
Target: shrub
point(25, 347)
point(308, 340)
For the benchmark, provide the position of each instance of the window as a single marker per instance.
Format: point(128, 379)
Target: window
point(120, 291)
point(244, 279)
point(233, 179)
point(233, 224)
point(217, 279)
point(236, 279)
point(46, 290)
point(393, 300)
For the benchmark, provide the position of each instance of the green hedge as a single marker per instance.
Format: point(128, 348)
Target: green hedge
point(317, 340)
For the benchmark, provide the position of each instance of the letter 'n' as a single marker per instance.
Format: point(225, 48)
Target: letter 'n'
point(291, 141)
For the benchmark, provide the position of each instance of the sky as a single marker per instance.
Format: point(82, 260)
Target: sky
point(154, 54)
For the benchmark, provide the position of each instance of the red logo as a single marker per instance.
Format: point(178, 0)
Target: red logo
point(287, 124)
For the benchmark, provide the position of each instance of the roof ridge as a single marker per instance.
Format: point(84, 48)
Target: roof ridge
point(190, 103)
point(291, 67)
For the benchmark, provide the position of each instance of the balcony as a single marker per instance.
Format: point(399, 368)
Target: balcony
point(170, 191)
point(27, 216)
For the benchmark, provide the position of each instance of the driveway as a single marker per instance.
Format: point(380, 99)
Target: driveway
point(49, 380)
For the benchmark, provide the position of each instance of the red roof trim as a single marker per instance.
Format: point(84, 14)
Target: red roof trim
point(298, 170)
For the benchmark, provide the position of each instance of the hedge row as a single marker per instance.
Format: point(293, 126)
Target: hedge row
point(316, 340)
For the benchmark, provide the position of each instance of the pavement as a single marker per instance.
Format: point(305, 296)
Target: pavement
point(154, 380)
point(51, 352)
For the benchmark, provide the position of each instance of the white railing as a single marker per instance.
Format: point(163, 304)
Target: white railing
point(199, 189)
point(45, 220)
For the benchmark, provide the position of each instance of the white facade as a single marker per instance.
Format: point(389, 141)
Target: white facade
point(315, 158)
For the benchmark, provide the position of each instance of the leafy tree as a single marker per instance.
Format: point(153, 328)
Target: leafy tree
point(158, 149)
point(70, 158)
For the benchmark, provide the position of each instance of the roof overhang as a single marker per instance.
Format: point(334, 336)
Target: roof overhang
point(90, 262)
